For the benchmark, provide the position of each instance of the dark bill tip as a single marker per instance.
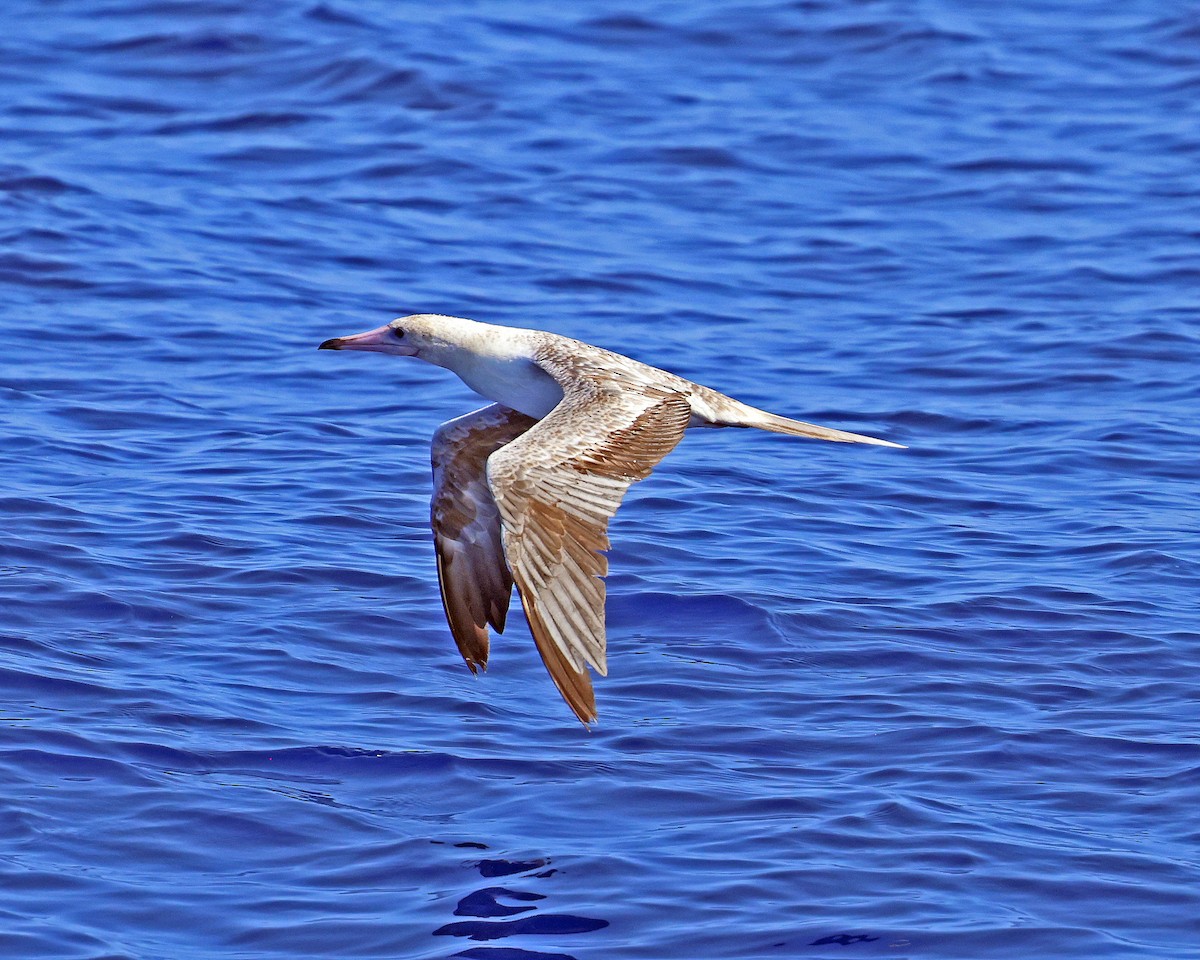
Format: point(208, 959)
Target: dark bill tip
point(333, 344)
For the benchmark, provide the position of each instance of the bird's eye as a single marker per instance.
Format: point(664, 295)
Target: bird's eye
point(398, 332)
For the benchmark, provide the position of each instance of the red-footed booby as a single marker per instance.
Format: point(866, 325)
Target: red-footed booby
point(524, 488)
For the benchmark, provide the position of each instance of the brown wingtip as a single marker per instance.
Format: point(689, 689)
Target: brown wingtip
point(470, 637)
point(574, 685)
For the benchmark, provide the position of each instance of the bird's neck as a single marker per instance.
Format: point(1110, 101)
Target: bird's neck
point(506, 374)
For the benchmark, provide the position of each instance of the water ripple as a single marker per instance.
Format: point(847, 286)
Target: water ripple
point(930, 703)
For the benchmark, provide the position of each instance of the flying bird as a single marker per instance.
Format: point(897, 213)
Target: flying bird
point(524, 489)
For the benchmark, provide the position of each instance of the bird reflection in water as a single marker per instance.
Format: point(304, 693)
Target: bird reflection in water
point(504, 911)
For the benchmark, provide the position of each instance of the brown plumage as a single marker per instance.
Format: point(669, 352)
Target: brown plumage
point(474, 578)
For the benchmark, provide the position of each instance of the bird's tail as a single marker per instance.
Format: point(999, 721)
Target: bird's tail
point(798, 428)
point(744, 415)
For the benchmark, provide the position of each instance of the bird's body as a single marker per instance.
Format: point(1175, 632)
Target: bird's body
point(524, 488)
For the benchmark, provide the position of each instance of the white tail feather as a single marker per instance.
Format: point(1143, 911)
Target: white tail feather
point(798, 428)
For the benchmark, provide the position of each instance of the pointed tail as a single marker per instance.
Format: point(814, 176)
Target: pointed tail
point(798, 428)
point(734, 413)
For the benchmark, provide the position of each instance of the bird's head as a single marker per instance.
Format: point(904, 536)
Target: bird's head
point(426, 336)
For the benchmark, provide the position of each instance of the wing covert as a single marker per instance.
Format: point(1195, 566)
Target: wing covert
point(556, 488)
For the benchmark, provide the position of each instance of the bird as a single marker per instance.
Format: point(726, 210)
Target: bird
point(524, 488)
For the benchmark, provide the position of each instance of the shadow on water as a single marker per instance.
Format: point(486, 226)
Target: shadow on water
point(503, 910)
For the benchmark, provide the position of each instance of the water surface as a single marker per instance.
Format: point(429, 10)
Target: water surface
point(932, 703)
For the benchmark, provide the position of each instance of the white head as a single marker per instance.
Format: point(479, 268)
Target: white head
point(426, 336)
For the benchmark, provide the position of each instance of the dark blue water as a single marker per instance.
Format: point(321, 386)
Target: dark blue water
point(933, 703)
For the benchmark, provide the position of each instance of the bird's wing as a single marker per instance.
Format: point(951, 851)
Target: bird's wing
point(473, 576)
point(557, 486)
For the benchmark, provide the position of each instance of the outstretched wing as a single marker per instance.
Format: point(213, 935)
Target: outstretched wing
point(557, 486)
point(474, 578)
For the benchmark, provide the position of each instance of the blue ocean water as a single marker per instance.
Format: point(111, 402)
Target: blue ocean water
point(931, 703)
